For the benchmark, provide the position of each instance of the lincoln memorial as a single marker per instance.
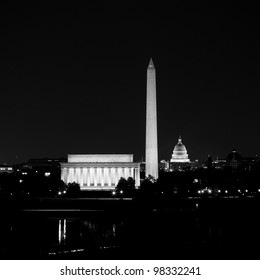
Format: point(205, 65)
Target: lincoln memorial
point(99, 172)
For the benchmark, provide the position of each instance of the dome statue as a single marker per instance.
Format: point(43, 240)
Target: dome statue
point(180, 152)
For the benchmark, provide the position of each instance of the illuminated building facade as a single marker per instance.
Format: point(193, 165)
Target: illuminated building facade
point(6, 168)
point(234, 159)
point(99, 172)
point(180, 153)
point(180, 159)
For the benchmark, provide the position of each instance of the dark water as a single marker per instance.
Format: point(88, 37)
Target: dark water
point(201, 232)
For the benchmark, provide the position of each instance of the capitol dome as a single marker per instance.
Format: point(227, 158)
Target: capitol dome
point(180, 153)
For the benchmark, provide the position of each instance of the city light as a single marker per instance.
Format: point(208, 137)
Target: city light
point(59, 193)
point(226, 191)
point(198, 191)
point(113, 193)
point(121, 192)
point(209, 191)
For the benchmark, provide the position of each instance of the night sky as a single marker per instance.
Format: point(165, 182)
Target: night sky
point(73, 79)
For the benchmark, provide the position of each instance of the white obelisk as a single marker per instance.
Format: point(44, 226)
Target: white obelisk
point(151, 147)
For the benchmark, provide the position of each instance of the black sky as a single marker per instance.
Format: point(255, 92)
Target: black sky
point(73, 79)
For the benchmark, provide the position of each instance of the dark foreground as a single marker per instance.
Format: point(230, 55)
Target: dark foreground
point(126, 229)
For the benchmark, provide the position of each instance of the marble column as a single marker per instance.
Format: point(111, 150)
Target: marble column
point(137, 177)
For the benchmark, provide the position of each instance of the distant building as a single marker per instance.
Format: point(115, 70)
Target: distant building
point(234, 160)
point(180, 153)
point(251, 163)
point(4, 168)
point(99, 172)
point(210, 162)
point(180, 159)
point(42, 166)
point(219, 163)
point(164, 165)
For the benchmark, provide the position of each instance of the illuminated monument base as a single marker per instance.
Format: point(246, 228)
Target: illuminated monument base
point(99, 172)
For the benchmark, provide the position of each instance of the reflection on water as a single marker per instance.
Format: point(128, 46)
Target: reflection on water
point(62, 231)
point(158, 235)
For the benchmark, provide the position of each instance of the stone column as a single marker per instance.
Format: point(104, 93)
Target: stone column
point(137, 177)
point(91, 175)
point(95, 176)
point(64, 175)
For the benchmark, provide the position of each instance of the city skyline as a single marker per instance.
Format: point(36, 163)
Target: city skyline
point(74, 81)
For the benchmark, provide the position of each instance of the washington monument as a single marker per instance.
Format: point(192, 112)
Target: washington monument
point(151, 147)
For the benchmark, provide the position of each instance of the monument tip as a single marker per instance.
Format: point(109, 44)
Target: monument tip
point(151, 65)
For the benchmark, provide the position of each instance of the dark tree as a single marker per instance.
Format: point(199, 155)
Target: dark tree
point(73, 189)
point(125, 187)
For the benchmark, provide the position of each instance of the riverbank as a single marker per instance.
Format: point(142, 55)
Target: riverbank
point(83, 204)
